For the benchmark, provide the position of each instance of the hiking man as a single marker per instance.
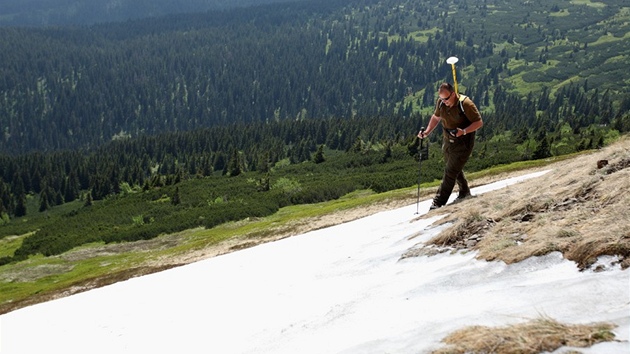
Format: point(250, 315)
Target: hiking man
point(460, 119)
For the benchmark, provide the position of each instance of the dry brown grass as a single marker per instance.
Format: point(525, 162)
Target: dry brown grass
point(536, 336)
point(577, 209)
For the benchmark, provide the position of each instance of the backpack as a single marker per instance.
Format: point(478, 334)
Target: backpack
point(460, 104)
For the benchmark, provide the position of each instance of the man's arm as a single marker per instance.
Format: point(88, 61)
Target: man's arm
point(432, 124)
point(471, 128)
point(473, 115)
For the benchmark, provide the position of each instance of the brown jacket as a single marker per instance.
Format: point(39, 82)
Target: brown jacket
point(453, 117)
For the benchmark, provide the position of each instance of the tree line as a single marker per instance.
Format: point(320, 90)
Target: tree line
point(228, 150)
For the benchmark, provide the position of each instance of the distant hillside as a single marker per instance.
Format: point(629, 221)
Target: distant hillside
point(84, 12)
point(68, 88)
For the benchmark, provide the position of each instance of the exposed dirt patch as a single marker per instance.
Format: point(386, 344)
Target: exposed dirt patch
point(155, 244)
point(623, 164)
point(24, 273)
point(466, 233)
point(430, 250)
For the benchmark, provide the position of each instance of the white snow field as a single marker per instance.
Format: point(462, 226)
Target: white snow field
point(342, 289)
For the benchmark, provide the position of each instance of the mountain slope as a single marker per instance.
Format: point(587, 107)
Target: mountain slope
point(342, 289)
point(556, 229)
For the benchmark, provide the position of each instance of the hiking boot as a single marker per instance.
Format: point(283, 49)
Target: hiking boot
point(462, 197)
point(434, 206)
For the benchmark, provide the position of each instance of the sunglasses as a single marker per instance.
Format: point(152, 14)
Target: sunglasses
point(446, 99)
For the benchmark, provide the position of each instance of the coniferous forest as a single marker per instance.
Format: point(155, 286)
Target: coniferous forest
point(77, 12)
point(126, 130)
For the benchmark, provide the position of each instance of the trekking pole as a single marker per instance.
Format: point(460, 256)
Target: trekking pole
point(419, 171)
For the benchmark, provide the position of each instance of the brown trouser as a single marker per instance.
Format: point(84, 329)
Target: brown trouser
point(456, 154)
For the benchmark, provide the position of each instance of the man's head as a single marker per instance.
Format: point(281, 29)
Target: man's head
point(447, 94)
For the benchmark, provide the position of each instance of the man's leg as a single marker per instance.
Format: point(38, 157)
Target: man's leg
point(455, 155)
point(462, 183)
